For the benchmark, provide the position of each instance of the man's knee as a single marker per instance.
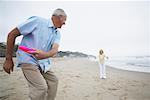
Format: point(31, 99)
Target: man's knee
point(56, 80)
point(43, 88)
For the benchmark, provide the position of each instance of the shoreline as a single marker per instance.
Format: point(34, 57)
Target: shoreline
point(125, 66)
point(123, 70)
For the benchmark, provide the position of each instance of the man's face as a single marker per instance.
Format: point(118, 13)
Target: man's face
point(62, 20)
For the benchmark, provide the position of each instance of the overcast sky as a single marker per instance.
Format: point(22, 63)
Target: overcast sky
point(120, 28)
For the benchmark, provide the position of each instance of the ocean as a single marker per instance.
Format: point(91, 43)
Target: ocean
point(131, 63)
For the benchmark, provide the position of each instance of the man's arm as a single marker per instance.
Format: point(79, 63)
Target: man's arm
point(38, 54)
point(8, 64)
point(53, 51)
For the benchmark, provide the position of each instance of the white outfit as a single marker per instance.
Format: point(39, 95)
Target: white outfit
point(102, 66)
point(102, 70)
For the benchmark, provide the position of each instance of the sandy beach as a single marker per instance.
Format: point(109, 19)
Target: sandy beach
point(79, 80)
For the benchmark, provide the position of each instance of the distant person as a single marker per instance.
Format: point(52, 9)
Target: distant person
point(102, 64)
point(42, 35)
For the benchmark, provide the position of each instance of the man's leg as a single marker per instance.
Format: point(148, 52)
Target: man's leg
point(52, 82)
point(36, 82)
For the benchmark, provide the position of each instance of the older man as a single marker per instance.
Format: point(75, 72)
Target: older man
point(42, 35)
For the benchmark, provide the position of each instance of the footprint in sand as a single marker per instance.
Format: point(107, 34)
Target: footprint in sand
point(123, 97)
point(112, 89)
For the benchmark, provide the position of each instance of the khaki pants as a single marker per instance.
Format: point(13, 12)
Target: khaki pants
point(42, 86)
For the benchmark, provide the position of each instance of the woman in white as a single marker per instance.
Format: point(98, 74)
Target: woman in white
point(102, 64)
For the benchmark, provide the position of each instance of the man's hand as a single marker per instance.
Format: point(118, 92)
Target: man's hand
point(39, 54)
point(8, 66)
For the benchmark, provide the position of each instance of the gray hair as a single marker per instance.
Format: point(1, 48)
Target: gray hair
point(59, 12)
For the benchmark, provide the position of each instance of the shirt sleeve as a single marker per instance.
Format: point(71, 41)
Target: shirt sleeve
point(28, 26)
point(57, 38)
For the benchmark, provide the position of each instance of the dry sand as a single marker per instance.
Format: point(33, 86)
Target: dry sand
point(79, 80)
